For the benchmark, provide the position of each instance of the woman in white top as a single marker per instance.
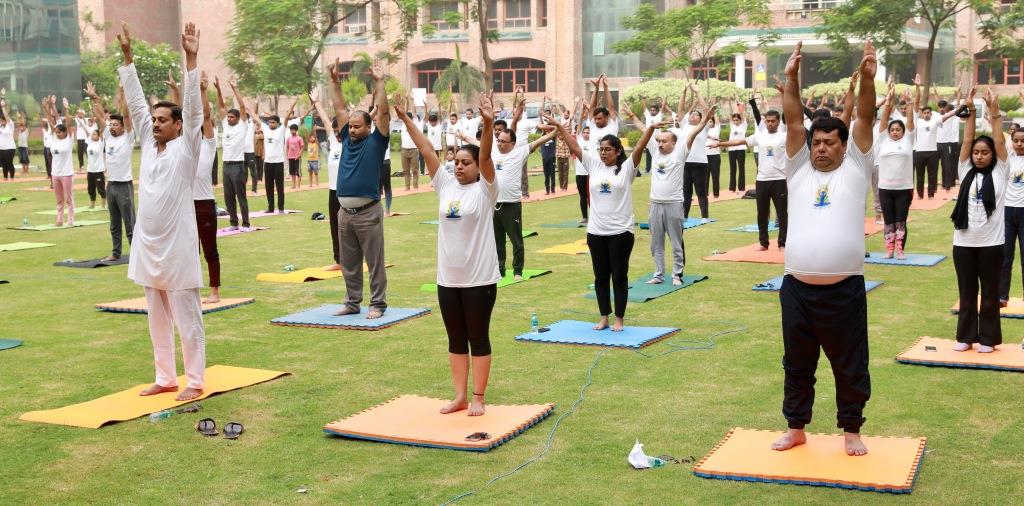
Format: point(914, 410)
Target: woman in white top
point(738, 153)
point(1014, 212)
point(7, 146)
point(467, 259)
point(610, 228)
point(96, 167)
point(582, 132)
point(23, 143)
point(894, 156)
point(714, 155)
point(979, 231)
point(61, 147)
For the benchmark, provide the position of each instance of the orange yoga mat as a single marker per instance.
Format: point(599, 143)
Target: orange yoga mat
point(139, 305)
point(891, 464)
point(415, 420)
point(1014, 308)
point(724, 196)
point(127, 404)
point(751, 253)
point(1007, 357)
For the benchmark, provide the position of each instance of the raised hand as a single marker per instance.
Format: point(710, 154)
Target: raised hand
point(190, 39)
point(233, 83)
point(547, 127)
point(793, 65)
point(869, 63)
point(90, 91)
point(335, 70)
point(377, 70)
point(216, 82)
point(917, 80)
point(204, 82)
point(487, 105)
point(170, 82)
point(991, 102)
point(125, 40)
point(399, 105)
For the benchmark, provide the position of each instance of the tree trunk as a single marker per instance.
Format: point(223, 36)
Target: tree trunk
point(927, 74)
point(484, 53)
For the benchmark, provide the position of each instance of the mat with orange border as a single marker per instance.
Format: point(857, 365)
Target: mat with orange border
point(139, 305)
point(939, 352)
point(128, 404)
point(891, 464)
point(1014, 308)
point(417, 421)
point(751, 253)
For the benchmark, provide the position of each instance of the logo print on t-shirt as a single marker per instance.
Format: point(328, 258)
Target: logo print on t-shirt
point(606, 186)
point(769, 151)
point(1018, 178)
point(498, 166)
point(661, 168)
point(821, 197)
point(110, 150)
point(454, 207)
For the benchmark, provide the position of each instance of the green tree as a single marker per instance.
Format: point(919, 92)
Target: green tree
point(692, 33)
point(151, 61)
point(461, 77)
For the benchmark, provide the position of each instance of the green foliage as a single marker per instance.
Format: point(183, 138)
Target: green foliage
point(460, 76)
point(1000, 25)
point(691, 33)
point(838, 88)
point(24, 103)
point(671, 89)
point(353, 89)
point(1009, 103)
point(633, 136)
point(152, 62)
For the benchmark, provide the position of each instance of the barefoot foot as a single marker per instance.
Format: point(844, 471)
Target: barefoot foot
point(792, 437)
point(477, 408)
point(854, 446)
point(618, 325)
point(188, 394)
point(157, 389)
point(602, 323)
point(458, 404)
point(335, 267)
point(655, 281)
point(347, 311)
point(212, 299)
point(374, 313)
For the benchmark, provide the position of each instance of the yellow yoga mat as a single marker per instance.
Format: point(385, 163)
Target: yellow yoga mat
point(127, 404)
point(304, 275)
point(574, 248)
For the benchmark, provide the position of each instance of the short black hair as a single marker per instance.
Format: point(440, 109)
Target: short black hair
point(234, 112)
point(366, 117)
point(943, 103)
point(432, 117)
point(601, 110)
point(294, 128)
point(117, 117)
point(830, 124)
point(511, 135)
point(772, 113)
point(274, 117)
point(926, 106)
point(175, 109)
point(821, 113)
point(501, 122)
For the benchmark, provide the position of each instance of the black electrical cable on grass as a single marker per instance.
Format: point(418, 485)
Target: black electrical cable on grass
point(675, 347)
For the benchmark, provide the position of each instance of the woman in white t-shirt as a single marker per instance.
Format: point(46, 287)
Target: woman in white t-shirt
point(610, 228)
point(467, 259)
point(582, 179)
point(978, 235)
point(894, 156)
point(22, 135)
point(1014, 212)
point(714, 155)
point(738, 154)
point(96, 167)
point(63, 174)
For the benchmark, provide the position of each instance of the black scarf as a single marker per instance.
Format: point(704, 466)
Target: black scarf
point(988, 197)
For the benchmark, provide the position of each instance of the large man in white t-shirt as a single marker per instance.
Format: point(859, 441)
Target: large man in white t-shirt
point(824, 305)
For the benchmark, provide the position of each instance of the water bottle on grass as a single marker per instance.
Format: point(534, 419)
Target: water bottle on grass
point(534, 323)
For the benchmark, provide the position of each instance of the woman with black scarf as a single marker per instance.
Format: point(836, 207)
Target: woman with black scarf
point(978, 229)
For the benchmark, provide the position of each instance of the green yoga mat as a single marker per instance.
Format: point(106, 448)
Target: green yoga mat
point(51, 226)
point(18, 246)
point(526, 233)
point(564, 224)
point(6, 199)
point(640, 291)
point(528, 274)
point(53, 212)
point(6, 344)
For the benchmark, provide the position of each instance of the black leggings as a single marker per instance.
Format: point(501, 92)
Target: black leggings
point(715, 170)
point(895, 204)
point(737, 166)
point(583, 188)
point(549, 175)
point(81, 152)
point(695, 178)
point(978, 267)
point(274, 176)
point(95, 184)
point(7, 162)
point(610, 256)
point(385, 183)
point(467, 317)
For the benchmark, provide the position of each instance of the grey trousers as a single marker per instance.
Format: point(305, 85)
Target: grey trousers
point(234, 189)
point(121, 204)
point(361, 236)
point(524, 180)
point(667, 217)
point(874, 189)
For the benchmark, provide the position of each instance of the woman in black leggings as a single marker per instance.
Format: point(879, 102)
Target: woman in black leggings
point(894, 155)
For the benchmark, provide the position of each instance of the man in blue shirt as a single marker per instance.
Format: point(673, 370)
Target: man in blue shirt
point(361, 218)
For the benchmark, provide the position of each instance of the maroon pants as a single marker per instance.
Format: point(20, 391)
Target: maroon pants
point(206, 222)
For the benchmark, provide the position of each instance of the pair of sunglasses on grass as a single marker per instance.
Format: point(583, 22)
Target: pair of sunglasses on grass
point(208, 427)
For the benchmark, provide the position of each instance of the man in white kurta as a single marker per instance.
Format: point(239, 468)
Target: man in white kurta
point(165, 251)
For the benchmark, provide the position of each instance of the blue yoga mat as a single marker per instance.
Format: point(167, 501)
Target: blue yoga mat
point(774, 284)
point(6, 344)
point(753, 228)
point(323, 317)
point(687, 224)
point(577, 332)
point(913, 259)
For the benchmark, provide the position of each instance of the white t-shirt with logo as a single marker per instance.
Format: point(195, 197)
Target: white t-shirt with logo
point(273, 144)
point(524, 128)
point(250, 140)
point(202, 185)
point(650, 120)
point(895, 160)
point(698, 151)
point(983, 230)
point(667, 172)
point(587, 148)
point(737, 132)
point(233, 141)
point(714, 135)
point(949, 131)
point(611, 197)
point(47, 137)
point(333, 160)
point(771, 154)
point(466, 252)
point(407, 142)
point(434, 135)
point(61, 151)
point(596, 134)
point(7, 136)
point(927, 133)
point(118, 151)
point(1015, 188)
point(94, 158)
point(826, 214)
point(508, 172)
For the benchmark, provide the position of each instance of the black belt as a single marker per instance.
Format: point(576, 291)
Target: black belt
point(357, 210)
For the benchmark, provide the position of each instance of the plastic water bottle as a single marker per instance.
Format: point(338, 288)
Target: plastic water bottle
point(534, 323)
point(655, 462)
point(289, 268)
point(24, 221)
point(160, 415)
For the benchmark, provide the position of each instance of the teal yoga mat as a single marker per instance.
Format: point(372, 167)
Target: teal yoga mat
point(641, 291)
point(528, 274)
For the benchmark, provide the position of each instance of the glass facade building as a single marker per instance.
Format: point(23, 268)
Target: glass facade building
point(39, 53)
point(602, 28)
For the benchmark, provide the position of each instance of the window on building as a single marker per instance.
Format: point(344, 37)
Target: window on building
point(353, 21)
point(517, 13)
point(704, 69)
point(999, 71)
point(542, 13)
point(525, 72)
point(439, 11)
point(427, 73)
point(492, 14)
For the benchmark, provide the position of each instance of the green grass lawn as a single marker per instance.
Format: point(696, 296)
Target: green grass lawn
point(680, 404)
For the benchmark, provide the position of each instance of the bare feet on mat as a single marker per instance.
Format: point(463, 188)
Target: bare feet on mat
point(477, 407)
point(110, 258)
point(762, 248)
point(602, 323)
point(854, 446)
point(212, 299)
point(655, 281)
point(335, 267)
point(188, 394)
point(458, 404)
point(677, 282)
point(618, 325)
point(374, 313)
point(792, 437)
point(517, 278)
point(157, 389)
point(347, 311)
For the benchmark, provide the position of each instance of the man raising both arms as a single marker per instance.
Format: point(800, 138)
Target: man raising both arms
point(360, 221)
point(164, 256)
point(824, 305)
point(235, 128)
point(118, 142)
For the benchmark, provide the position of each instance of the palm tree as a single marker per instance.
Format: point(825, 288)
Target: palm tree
point(353, 88)
point(468, 80)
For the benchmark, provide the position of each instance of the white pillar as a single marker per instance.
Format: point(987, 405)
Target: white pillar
point(739, 70)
